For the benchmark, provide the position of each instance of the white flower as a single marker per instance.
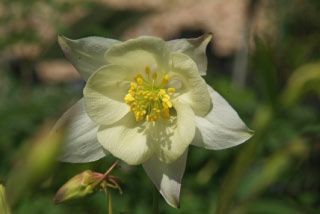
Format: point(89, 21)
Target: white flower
point(145, 102)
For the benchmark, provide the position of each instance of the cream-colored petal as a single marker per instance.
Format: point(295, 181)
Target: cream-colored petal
point(169, 139)
point(139, 53)
point(167, 177)
point(195, 49)
point(222, 127)
point(86, 54)
point(81, 141)
point(126, 139)
point(192, 88)
point(104, 94)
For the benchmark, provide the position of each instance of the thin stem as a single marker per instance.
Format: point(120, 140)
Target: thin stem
point(116, 185)
point(108, 200)
point(105, 174)
point(155, 204)
point(116, 178)
point(111, 168)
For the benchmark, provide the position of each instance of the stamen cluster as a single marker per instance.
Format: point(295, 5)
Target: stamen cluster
point(147, 99)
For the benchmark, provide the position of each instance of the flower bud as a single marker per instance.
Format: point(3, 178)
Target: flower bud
point(81, 185)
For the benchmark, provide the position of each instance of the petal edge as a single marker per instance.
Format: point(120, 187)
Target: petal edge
point(81, 141)
point(194, 48)
point(222, 127)
point(167, 177)
point(86, 54)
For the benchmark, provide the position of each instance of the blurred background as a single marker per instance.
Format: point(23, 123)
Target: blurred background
point(264, 59)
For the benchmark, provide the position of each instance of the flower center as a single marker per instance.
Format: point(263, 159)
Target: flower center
point(147, 99)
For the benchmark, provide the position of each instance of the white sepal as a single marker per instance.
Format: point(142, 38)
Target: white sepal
point(81, 141)
point(167, 177)
point(86, 54)
point(222, 127)
point(194, 48)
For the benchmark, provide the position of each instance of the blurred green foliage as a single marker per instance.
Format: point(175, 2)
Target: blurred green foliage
point(4, 205)
point(276, 172)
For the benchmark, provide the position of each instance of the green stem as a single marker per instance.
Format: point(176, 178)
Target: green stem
point(155, 205)
point(108, 200)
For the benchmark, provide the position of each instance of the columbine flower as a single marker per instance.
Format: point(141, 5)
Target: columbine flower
point(145, 102)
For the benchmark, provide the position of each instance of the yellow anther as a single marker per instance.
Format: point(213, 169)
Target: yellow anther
point(154, 75)
point(169, 103)
point(138, 76)
point(165, 100)
point(165, 80)
point(128, 98)
point(165, 114)
point(166, 77)
point(171, 90)
point(162, 92)
point(147, 99)
point(147, 69)
point(165, 105)
point(140, 80)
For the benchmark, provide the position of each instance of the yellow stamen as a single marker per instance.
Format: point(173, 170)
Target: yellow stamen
point(165, 100)
point(139, 80)
point(138, 76)
point(154, 75)
point(162, 92)
point(165, 105)
point(165, 80)
point(171, 90)
point(129, 98)
point(149, 100)
point(147, 70)
point(165, 114)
